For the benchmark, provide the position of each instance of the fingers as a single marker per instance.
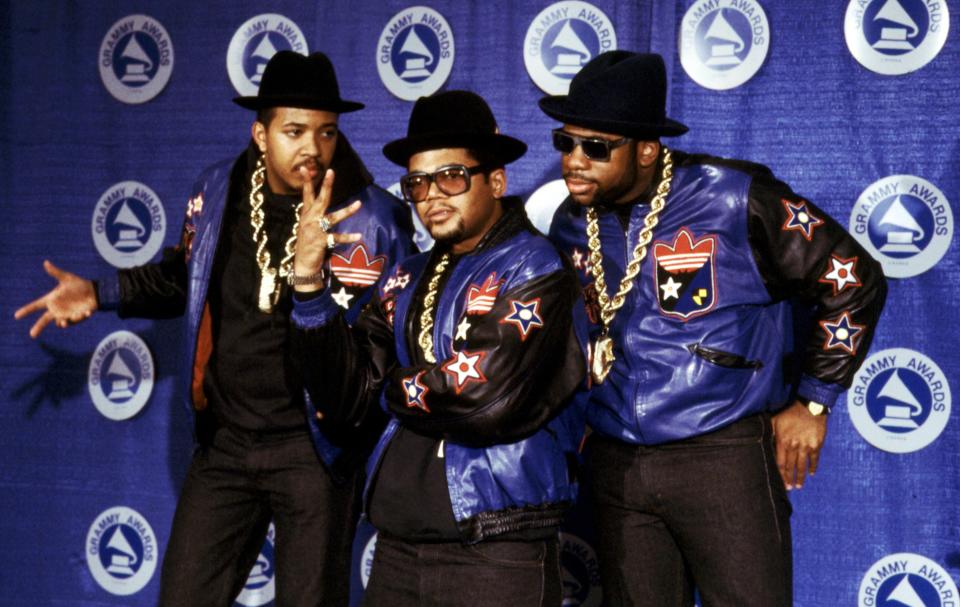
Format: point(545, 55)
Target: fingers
point(319, 203)
point(338, 216)
point(53, 270)
point(30, 308)
point(814, 461)
point(41, 324)
point(346, 237)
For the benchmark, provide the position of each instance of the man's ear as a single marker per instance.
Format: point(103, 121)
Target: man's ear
point(498, 183)
point(259, 133)
point(647, 153)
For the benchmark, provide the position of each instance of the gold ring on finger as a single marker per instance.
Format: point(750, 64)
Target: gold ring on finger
point(324, 223)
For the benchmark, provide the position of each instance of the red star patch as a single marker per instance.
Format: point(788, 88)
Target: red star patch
point(840, 275)
point(465, 368)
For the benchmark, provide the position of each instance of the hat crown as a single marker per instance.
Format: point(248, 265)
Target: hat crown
point(451, 112)
point(618, 92)
point(290, 73)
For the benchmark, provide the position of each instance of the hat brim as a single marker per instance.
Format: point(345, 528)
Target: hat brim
point(308, 103)
point(555, 107)
point(505, 148)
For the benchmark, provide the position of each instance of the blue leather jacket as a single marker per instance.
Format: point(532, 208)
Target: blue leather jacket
point(702, 338)
point(508, 340)
point(179, 282)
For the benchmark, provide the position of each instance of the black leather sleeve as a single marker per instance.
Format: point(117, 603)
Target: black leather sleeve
point(527, 370)
point(803, 253)
point(155, 290)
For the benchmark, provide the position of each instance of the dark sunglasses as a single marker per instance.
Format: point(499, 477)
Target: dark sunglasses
point(593, 148)
point(452, 179)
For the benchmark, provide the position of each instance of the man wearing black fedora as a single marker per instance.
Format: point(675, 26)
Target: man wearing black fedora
point(264, 453)
point(687, 263)
point(476, 347)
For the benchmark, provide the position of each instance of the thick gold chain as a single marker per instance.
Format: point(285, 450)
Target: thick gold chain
point(608, 306)
point(425, 338)
point(269, 285)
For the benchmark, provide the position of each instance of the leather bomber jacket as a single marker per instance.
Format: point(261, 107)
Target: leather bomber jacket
point(703, 338)
point(509, 340)
point(177, 284)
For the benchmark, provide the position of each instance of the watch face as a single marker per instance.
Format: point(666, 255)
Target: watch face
point(816, 408)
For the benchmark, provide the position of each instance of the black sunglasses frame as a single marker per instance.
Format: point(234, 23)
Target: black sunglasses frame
point(605, 144)
point(432, 178)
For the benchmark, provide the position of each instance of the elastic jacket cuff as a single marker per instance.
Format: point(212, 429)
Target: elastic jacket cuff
point(107, 290)
point(818, 391)
point(314, 312)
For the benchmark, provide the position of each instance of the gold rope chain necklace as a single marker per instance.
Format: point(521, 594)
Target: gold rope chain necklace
point(269, 285)
point(425, 339)
point(603, 346)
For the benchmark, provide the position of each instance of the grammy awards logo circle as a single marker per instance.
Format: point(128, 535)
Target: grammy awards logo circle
point(721, 47)
point(366, 560)
point(899, 400)
point(136, 59)
point(415, 52)
point(121, 550)
point(907, 579)
point(543, 203)
point(260, 587)
point(905, 222)
point(120, 376)
point(128, 224)
point(561, 39)
point(580, 572)
point(254, 43)
point(894, 37)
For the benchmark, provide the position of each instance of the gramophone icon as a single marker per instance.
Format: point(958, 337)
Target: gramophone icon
point(901, 414)
point(121, 379)
point(130, 229)
point(135, 71)
point(567, 39)
point(418, 58)
point(264, 51)
point(729, 42)
point(260, 572)
point(895, 38)
point(906, 232)
point(123, 558)
point(904, 593)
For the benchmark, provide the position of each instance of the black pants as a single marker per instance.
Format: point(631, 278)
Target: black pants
point(234, 488)
point(488, 574)
point(709, 512)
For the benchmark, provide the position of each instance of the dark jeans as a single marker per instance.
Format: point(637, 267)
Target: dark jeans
point(234, 488)
point(488, 574)
point(709, 512)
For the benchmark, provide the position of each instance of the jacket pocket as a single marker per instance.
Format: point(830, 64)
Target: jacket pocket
point(723, 359)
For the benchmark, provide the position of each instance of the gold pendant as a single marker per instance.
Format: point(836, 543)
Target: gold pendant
point(268, 284)
point(602, 358)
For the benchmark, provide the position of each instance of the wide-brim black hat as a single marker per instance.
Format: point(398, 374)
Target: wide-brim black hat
point(453, 119)
point(618, 92)
point(293, 80)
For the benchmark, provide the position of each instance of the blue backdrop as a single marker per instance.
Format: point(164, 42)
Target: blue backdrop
point(109, 109)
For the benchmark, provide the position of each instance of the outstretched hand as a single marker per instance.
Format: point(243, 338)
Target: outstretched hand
point(799, 436)
point(74, 299)
point(313, 241)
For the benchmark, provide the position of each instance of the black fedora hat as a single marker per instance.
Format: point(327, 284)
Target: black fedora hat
point(618, 92)
point(293, 80)
point(453, 119)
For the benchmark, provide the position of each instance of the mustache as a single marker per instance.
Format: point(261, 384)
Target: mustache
point(578, 176)
point(311, 163)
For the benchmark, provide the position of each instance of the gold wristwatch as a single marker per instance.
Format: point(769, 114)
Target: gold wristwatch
point(816, 409)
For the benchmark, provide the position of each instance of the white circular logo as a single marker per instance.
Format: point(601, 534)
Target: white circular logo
point(894, 37)
point(128, 224)
point(121, 550)
point(905, 222)
point(254, 43)
point(136, 59)
point(907, 579)
point(421, 235)
point(561, 39)
point(366, 560)
point(120, 378)
point(543, 203)
point(415, 52)
point(723, 47)
point(260, 588)
point(580, 571)
point(899, 400)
